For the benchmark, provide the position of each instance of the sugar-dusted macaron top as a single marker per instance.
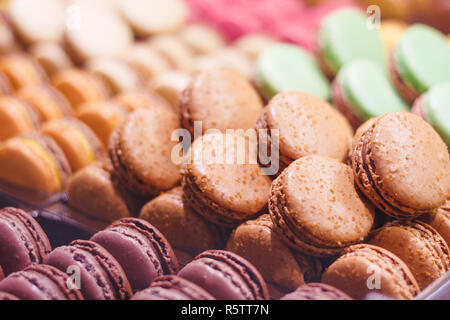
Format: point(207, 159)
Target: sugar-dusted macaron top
point(367, 90)
point(436, 110)
point(322, 202)
point(286, 67)
point(345, 36)
point(221, 99)
point(307, 125)
point(422, 58)
point(225, 168)
point(410, 160)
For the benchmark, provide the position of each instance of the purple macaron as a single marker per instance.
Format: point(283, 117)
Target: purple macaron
point(40, 282)
point(173, 288)
point(226, 276)
point(101, 276)
point(142, 251)
point(22, 241)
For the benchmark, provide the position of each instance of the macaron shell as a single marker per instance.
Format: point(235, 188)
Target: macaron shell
point(51, 56)
point(143, 172)
point(147, 60)
point(21, 70)
point(431, 258)
point(6, 296)
point(234, 104)
point(351, 272)
point(316, 291)
point(16, 118)
point(170, 85)
point(286, 67)
point(183, 228)
point(140, 99)
point(92, 191)
point(176, 52)
point(344, 36)
point(422, 58)
point(418, 148)
point(202, 39)
point(441, 222)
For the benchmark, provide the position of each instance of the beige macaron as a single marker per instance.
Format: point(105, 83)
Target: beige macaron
point(221, 99)
point(178, 54)
point(51, 56)
point(202, 39)
point(170, 85)
point(254, 44)
point(147, 60)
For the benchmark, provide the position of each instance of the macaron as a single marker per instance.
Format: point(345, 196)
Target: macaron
point(94, 191)
point(21, 70)
point(316, 209)
point(184, 229)
point(149, 17)
point(419, 245)
point(140, 99)
point(47, 101)
point(419, 61)
point(31, 27)
point(178, 54)
point(362, 90)
point(40, 282)
point(440, 221)
point(221, 99)
point(285, 67)
point(306, 125)
point(5, 85)
point(387, 159)
point(391, 31)
point(147, 60)
point(100, 32)
point(173, 288)
point(226, 276)
point(116, 73)
point(16, 118)
point(344, 37)
point(34, 162)
point(51, 56)
point(141, 151)
point(80, 145)
point(79, 86)
point(102, 117)
point(221, 187)
point(202, 39)
point(253, 45)
point(170, 85)
point(101, 275)
point(7, 39)
point(256, 241)
point(142, 251)
point(433, 108)
point(366, 268)
point(22, 241)
point(316, 291)
point(233, 59)
point(7, 297)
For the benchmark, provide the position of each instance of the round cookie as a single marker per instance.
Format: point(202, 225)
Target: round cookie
point(140, 99)
point(387, 159)
point(170, 85)
point(220, 99)
point(440, 221)
point(222, 181)
point(174, 50)
point(16, 118)
point(51, 56)
point(21, 70)
point(316, 291)
point(365, 264)
point(316, 209)
point(306, 125)
point(147, 60)
point(202, 39)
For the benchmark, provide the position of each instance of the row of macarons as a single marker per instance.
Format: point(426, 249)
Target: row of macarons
point(131, 259)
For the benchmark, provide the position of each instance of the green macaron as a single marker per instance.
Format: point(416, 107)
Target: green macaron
point(362, 90)
point(287, 67)
point(420, 61)
point(434, 107)
point(346, 35)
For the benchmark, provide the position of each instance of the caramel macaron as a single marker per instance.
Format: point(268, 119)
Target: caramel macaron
point(47, 101)
point(221, 99)
point(141, 148)
point(94, 191)
point(306, 125)
point(419, 245)
point(16, 118)
point(183, 228)
point(80, 145)
point(402, 165)
point(316, 208)
point(280, 266)
point(365, 268)
point(440, 221)
point(21, 70)
point(102, 117)
point(140, 99)
point(220, 186)
point(79, 86)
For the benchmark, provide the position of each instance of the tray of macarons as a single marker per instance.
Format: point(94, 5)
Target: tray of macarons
point(178, 150)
